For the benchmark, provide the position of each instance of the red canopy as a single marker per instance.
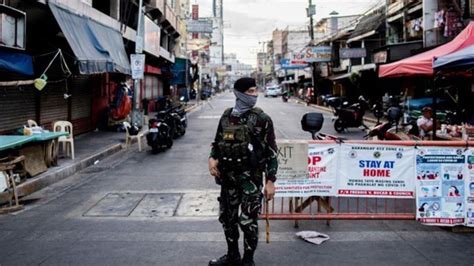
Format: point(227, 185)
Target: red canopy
point(422, 64)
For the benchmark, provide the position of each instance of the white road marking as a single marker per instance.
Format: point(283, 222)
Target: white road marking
point(209, 117)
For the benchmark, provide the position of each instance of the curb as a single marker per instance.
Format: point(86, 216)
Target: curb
point(55, 175)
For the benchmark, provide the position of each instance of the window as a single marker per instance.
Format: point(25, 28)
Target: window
point(471, 9)
point(102, 5)
point(12, 28)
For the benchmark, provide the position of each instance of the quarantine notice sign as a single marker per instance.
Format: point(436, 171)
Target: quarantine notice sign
point(376, 171)
point(469, 189)
point(306, 170)
point(441, 174)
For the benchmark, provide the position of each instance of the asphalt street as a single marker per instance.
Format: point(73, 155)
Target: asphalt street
point(143, 209)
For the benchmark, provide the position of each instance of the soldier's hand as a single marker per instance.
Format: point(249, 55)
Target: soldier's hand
point(213, 167)
point(269, 190)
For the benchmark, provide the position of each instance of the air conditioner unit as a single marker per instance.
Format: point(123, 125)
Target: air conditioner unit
point(12, 27)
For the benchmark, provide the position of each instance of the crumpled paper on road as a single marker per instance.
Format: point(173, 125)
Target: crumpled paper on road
point(313, 237)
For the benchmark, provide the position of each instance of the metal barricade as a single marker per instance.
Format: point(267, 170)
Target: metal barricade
point(350, 208)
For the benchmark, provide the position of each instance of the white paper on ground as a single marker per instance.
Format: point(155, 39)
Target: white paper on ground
point(313, 237)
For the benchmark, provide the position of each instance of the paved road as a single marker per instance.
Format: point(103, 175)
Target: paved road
point(138, 208)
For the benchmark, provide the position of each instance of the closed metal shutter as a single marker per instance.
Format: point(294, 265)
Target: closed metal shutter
point(80, 88)
point(53, 105)
point(17, 105)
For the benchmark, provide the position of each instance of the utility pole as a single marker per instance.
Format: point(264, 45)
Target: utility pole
point(312, 11)
point(136, 114)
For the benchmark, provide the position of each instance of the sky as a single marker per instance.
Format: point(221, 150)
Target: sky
point(249, 23)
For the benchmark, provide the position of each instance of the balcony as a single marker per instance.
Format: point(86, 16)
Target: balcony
point(171, 17)
point(393, 8)
point(156, 8)
point(169, 21)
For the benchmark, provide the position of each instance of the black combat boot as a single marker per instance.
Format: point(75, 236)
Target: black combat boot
point(227, 260)
point(248, 259)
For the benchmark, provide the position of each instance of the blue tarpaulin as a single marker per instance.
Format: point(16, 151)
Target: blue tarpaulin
point(98, 48)
point(16, 62)
point(461, 58)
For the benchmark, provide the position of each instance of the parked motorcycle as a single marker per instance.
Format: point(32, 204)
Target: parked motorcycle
point(180, 121)
point(160, 132)
point(392, 130)
point(312, 123)
point(351, 116)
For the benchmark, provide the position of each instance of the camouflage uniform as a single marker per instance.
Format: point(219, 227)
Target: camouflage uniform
point(243, 187)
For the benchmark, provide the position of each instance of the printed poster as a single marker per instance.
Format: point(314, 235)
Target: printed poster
point(376, 171)
point(318, 177)
point(469, 189)
point(440, 178)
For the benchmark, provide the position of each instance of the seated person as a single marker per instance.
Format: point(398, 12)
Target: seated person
point(425, 123)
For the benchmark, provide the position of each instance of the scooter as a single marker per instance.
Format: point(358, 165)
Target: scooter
point(180, 121)
point(392, 130)
point(312, 123)
point(284, 97)
point(352, 116)
point(160, 133)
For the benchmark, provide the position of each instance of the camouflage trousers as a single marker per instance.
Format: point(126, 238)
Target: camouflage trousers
point(242, 190)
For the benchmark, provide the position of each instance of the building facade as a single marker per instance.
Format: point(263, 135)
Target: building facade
point(82, 79)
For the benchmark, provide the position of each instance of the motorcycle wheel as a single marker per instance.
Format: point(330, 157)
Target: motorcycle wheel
point(338, 125)
point(169, 143)
point(155, 149)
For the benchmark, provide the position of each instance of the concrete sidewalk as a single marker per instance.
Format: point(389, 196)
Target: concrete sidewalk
point(89, 148)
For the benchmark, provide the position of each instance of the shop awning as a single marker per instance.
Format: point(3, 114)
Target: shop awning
point(16, 62)
point(461, 58)
point(98, 48)
point(422, 64)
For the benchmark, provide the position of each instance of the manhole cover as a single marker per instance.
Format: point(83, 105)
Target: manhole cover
point(159, 205)
point(199, 204)
point(192, 204)
point(116, 205)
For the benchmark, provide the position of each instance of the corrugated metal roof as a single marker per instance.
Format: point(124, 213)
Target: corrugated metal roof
point(370, 22)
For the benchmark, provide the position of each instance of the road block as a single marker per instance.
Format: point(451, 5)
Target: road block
point(376, 204)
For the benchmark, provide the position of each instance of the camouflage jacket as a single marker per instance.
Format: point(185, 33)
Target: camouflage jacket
point(265, 133)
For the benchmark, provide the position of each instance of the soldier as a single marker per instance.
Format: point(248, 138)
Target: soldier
point(244, 148)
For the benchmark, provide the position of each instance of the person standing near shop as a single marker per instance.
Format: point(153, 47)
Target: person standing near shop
point(243, 150)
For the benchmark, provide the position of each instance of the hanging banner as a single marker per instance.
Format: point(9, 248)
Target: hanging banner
point(306, 171)
point(440, 179)
point(469, 189)
point(345, 53)
point(376, 171)
point(322, 168)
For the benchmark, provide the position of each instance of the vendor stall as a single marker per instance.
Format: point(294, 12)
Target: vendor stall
point(40, 150)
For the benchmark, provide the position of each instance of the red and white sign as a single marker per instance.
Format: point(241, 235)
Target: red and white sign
point(318, 177)
point(373, 171)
